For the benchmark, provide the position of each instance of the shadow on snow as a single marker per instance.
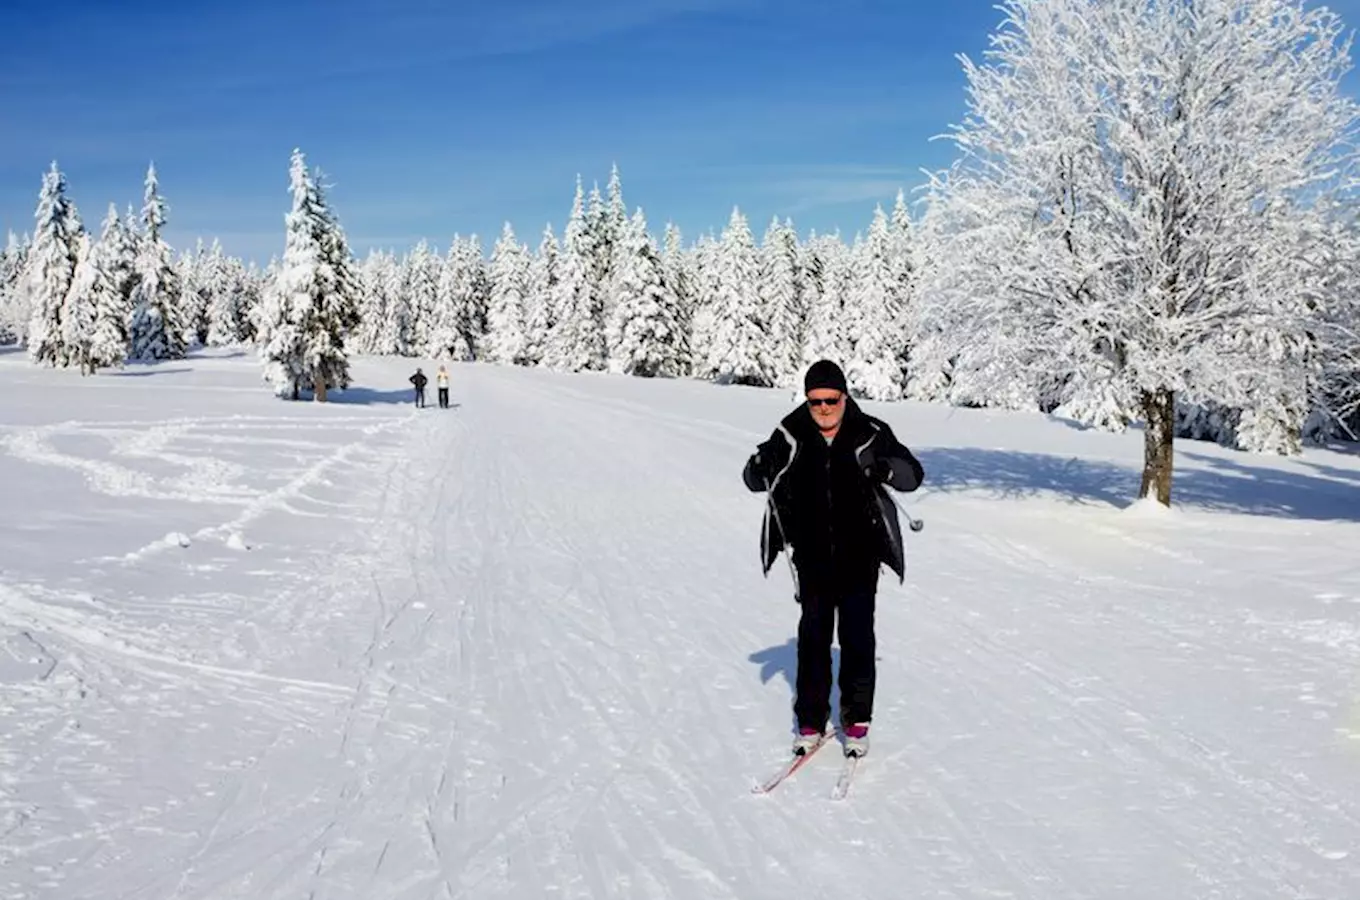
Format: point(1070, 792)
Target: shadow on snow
point(363, 396)
point(1217, 484)
point(782, 659)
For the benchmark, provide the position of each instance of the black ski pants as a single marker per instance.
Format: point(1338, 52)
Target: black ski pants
point(846, 609)
point(443, 398)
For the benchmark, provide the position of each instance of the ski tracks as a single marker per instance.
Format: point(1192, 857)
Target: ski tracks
point(544, 646)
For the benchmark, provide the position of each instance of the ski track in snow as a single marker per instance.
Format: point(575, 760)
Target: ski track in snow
point(523, 649)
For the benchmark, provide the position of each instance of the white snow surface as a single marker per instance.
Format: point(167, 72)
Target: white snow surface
point(522, 648)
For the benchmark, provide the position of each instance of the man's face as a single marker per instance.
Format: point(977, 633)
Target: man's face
point(827, 407)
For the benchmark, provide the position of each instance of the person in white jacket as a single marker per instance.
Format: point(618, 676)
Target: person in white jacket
point(441, 380)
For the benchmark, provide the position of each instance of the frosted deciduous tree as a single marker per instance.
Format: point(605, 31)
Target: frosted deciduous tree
point(1135, 189)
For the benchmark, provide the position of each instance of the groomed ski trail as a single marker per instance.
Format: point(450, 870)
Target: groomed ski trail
point(552, 668)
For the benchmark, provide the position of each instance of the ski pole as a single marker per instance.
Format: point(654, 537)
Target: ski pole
point(913, 524)
point(784, 536)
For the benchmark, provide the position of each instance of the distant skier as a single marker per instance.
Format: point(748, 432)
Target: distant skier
point(419, 380)
point(442, 379)
point(824, 468)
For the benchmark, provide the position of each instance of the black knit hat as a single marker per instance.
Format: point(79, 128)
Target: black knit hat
point(825, 374)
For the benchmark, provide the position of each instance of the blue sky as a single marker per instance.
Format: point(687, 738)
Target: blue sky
point(431, 118)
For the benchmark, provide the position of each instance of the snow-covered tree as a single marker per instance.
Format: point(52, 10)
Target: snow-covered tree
point(678, 272)
point(196, 292)
point(540, 299)
point(157, 329)
point(703, 318)
point(313, 302)
point(423, 272)
point(577, 340)
point(460, 301)
point(232, 300)
point(49, 270)
point(740, 351)
point(12, 316)
point(874, 313)
point(1134, 189)
point(827, 271)
point(92, 315)
point(782, 299)
point(509, 274)
point(646, 324)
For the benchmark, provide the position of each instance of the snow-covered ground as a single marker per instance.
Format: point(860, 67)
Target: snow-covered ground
point(522, 648)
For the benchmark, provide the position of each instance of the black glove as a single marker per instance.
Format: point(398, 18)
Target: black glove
point(758, 472)
point(878, 470)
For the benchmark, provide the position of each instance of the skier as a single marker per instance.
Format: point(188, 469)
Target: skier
point(824, 468)
point(442, 379)
point(419, 380)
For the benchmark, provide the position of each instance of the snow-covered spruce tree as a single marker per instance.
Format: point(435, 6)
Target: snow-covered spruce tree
point(577, 340)
point(92, 316)
point(782, 299)
point(195, 295)
point(12, 317)
point(118, 259)
point(156, 330)
point(1159, 164)
point(441, 322)
point(540, 300)
point(703, 321)
point(506, 340)
point(313, 303)
point(396, 335)
point(874, 313)
point(646, 322)
point(374, 279)
point(904, 261)
point(678, 271)
point(422, 273)
point(828, 264)
point(740, 352)
point(265, 315)
point(478, 301)
point(49, 270)
point(460, 300)
point(232, 298)
point(608, 219)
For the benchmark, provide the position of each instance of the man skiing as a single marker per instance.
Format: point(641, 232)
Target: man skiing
point(824, 469)
point(442, 381)
point(419, 380)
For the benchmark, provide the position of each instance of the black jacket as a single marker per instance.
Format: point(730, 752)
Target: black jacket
point(419, 380)
point(827, 502)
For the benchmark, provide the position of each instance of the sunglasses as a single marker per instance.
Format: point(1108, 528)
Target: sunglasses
point(828, 401)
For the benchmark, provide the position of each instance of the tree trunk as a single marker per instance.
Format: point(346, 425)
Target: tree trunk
point(320, 390)
point(1159, 432)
